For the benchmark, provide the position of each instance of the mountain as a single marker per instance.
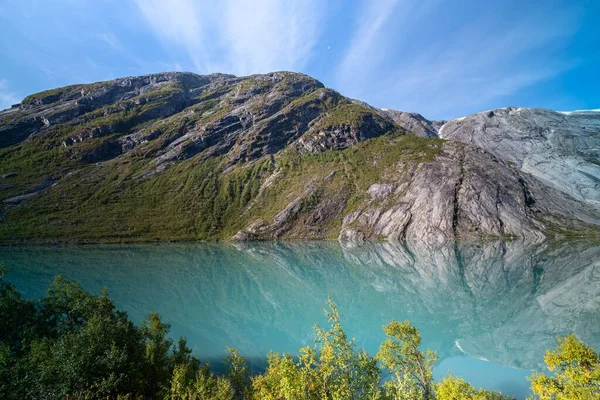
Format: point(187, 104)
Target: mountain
point(180, 156)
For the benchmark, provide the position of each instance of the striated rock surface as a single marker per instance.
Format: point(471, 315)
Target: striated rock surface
point(561, 149)
point(180, 156)
point(464, 192)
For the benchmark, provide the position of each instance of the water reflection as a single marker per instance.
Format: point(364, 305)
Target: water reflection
point(502, 302)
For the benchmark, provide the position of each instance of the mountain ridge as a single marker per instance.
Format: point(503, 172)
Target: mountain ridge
point(181, 156)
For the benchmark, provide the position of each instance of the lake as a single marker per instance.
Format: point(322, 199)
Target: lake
point(490, 310)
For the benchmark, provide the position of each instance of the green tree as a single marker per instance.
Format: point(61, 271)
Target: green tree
point(17, 329)
point(87, 349)
point(18, 315)
point(237, 373)
point(157, 347)
point(192, 382)
point(452, 388)
point(182, 354)
point(410, 368)
point(576, 370)
point(332, 369)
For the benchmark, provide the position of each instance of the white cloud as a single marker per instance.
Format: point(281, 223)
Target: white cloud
point(238, 36)
point(7, 98)
point(267, 35)
point(458, 67)
point(368, 35)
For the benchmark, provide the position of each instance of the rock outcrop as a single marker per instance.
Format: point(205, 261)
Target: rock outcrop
point(464, 192)
point(414, 122)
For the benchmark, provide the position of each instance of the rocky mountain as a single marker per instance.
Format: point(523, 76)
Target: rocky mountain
point(561, 149)
point(180, 156)
point(414, 122)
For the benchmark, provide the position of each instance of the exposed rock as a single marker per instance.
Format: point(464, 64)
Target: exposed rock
point(560, 149)
point(343, 127)
point(464, 192)
point(413, 122)
point(243, 236)
point(378, 191)
point(19, 198)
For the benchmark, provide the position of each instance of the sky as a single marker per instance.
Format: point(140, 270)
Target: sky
point(441, 58)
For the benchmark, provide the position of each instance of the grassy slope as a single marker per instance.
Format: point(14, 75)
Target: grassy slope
point(194, 200)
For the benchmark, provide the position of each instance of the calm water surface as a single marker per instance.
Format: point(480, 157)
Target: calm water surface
point(489, 310)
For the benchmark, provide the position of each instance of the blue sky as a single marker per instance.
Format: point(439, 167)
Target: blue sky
point(443, 59)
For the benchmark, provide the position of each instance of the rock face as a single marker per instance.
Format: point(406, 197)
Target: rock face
point(180, 156)
point(414, 122)
point(561, 149)
point(464, 192)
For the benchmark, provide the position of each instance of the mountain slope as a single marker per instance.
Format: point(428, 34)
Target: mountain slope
point(180, 156)
point(560, 149)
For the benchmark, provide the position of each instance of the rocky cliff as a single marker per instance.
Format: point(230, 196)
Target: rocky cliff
point(561, 149)
point(180, 156)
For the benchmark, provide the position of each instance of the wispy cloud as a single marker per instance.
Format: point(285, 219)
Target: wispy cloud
point(112, 40)
point(456, 68)
point(7, 97)
point(238, 36)
point(176, 23)
point(267, 35)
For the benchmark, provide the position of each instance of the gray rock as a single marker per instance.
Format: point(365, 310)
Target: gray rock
point(560, 149)
point(412, 122)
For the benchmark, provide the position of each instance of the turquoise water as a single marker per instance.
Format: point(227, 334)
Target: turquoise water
point(489, 310)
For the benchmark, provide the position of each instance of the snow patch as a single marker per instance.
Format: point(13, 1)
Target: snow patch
point(579, 111)
point(439, 132)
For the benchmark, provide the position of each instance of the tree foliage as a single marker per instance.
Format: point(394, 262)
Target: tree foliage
point(576, 374)
point(453, 388)
point(411, 369)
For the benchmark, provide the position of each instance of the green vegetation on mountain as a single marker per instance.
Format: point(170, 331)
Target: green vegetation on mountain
point(72, 344)
point(180, 156)
point(199, 199)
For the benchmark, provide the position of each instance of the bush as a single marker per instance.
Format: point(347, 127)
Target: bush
point(576, 370)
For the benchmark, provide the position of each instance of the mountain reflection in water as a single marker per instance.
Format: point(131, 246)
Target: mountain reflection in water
point(500, 302)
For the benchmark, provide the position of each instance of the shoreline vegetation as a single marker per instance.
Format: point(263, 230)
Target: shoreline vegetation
point(591, 239)
point(71, 344)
